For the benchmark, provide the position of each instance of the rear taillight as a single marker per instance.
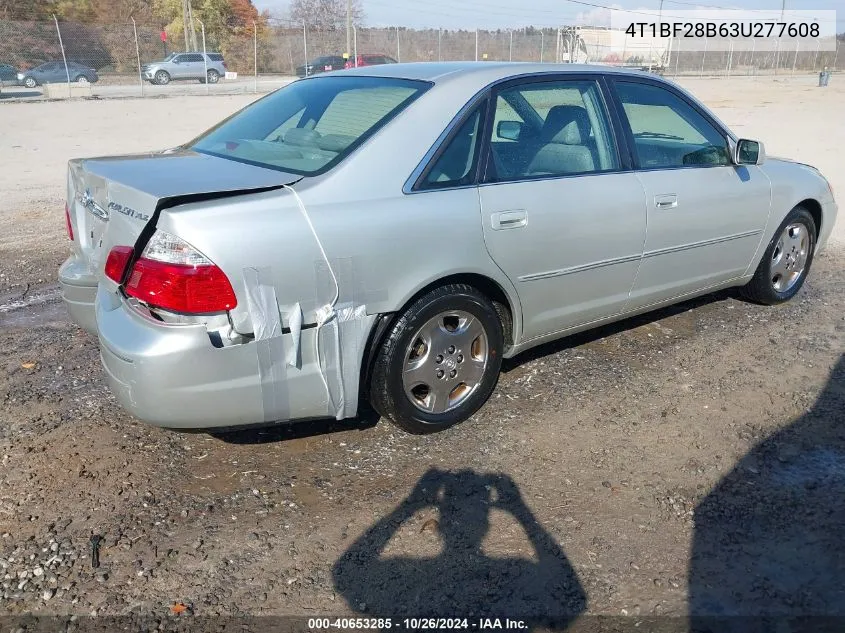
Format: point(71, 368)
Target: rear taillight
point(173, 275)
point(225, 67)
point(68, 225)
point(116, 262)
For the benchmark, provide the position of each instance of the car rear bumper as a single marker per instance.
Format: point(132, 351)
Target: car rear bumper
point(173, 376)
point(79, 290)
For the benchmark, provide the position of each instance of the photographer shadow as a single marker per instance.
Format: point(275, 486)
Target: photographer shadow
point(461, 581)
point(768, 539)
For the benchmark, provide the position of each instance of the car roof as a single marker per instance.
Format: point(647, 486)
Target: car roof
point(483, 72)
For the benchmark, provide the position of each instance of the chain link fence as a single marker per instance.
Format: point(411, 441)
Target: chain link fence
point(268, 54)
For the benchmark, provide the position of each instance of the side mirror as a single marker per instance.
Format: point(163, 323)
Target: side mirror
point(176, 60)
point(748, 152)
point(509, 130)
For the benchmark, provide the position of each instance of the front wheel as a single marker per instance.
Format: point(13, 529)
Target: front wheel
point(162, 78)
point(786, 262)
point(440, 361)
point(30, 82)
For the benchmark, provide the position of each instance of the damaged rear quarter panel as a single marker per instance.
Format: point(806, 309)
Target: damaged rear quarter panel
point(383, 250)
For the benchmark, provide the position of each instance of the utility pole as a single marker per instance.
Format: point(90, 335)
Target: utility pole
point(651, 45)
point(193, 31)
point(348, 26)
point(185, 21)
point(777, 43)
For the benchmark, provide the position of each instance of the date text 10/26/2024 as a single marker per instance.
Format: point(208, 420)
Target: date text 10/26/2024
point(420, 624)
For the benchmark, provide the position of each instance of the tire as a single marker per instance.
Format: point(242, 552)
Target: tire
point(786, 261)
point(82, 79)
point(451, 333)
point(213, 76)
point(30, 82)
point(162, 78)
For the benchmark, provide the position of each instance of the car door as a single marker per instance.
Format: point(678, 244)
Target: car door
point(198, 66)
point(188, 67)
point(48, 73)
point(562, 214)
point(180, 67)
point(705, 214)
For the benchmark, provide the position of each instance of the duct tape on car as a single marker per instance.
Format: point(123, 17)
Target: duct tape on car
point(270, 342)
point(341, 339)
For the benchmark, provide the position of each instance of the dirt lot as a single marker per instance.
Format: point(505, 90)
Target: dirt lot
point(691, 460)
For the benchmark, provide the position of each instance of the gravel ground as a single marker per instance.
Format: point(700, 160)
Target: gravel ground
point(689, 460)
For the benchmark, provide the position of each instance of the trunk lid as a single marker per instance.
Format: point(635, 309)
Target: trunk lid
point(113, 199)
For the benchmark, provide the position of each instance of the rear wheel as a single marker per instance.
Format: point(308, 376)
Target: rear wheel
point(162, 78)
point(439, 362)
point(786, 262)
point(213, 76)
point(82, 79)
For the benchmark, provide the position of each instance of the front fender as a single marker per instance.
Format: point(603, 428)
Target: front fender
point(792, 184)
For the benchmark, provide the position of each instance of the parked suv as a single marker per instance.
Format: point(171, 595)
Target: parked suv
point(369, 59)
point(185, 66)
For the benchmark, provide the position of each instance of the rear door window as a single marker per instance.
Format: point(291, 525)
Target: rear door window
point(550, 128)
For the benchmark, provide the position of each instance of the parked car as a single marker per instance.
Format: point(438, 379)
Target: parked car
point(8, 74)
point(394, 233)
point(368, 59)
point(321, 65)
point(177, 66)
point(55, 72)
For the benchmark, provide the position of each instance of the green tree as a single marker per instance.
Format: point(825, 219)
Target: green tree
point(230, 26)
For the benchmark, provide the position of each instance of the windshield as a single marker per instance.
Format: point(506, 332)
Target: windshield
point(311, 125)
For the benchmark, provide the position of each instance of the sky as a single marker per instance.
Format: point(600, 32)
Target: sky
point(507, 14)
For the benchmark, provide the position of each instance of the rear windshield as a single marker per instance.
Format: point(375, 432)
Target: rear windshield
point(311, 125)
point(216, 57)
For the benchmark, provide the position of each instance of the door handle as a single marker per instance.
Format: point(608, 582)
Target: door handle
point(666, 201)
point(509, 220)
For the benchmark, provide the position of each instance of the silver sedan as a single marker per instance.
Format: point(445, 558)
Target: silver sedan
point(392, 233)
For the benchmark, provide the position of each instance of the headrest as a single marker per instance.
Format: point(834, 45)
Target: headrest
point(335, 142)
point(567, 124)
point(301, 137)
